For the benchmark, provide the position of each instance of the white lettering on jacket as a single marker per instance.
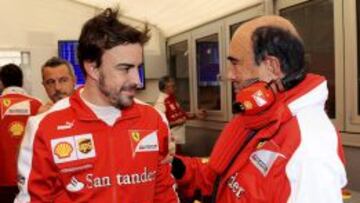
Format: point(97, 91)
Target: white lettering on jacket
point(136, 178)
point(234, 185)
point(93, 181)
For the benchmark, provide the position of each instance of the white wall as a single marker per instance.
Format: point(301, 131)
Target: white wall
point(37, 25)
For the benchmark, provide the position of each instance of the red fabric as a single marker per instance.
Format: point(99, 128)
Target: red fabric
point(13, 119)
point(124, 166)
point(173, 110)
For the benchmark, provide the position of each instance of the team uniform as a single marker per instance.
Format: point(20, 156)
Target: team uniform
point(293, 154)
point(15, 108)
point(168, 105)
point(69, 152)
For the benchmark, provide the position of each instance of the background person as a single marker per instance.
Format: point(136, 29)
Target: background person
point(58, 79)
point(15, 108)
point(176, 116)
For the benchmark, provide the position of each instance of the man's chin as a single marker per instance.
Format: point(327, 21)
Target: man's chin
point(124, 104)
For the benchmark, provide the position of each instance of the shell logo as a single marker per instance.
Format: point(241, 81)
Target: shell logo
point(85, 146)
point(135, 136)
point(63, 150)
point(16, 129)
point(248, 105)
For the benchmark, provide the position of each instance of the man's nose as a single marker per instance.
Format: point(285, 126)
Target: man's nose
point(135, 78)
point(230, 75)
point(57, 85)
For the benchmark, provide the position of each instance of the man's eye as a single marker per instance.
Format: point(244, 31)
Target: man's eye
point(63, 80)
point(49, 82)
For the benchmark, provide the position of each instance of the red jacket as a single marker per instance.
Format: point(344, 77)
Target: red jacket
point(69, 152)
point(294, 156)
point(15, 109)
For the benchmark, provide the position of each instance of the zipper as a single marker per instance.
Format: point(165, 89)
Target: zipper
point(112, 163)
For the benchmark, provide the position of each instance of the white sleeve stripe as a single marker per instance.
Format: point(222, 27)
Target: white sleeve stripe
point(26, 150)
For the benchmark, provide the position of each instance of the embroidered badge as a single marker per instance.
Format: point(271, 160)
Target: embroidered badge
point(143, 141)
point(63, 150)
point(16, 129)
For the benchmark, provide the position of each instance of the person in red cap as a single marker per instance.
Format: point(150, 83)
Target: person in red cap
point(281, 146)
point(16, 106)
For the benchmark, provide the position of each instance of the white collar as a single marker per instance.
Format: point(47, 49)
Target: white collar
point(14, 90)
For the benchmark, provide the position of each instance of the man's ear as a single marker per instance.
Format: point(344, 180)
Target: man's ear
point(274, 66)
point(91, 70)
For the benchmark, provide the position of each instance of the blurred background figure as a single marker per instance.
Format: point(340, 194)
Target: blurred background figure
point(15, 108)
point(58, 80)
point(176, 116)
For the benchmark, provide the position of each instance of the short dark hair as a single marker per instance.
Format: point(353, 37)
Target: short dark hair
point(11, 75)
point(163, 81)
point(283, 45)
point(55, 62)
point(104, 32)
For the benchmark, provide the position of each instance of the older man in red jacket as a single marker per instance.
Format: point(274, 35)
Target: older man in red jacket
point(282, 147)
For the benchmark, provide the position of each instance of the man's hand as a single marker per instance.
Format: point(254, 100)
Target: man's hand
point(201, 114)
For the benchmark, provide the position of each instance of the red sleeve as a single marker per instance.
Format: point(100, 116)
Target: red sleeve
point(35, 166)
point(197, 176)
point(165, 183)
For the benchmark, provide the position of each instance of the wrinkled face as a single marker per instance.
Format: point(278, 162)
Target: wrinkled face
point(119, 74)
point(242, 68)
point(58, 82)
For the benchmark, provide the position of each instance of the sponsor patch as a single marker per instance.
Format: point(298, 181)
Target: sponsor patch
point(73, 148)
point(6, 102)
point(75, 185)
point(85, 147)
point(16, 109)
point(76, 168)
point(259, 98)
point(143, 141)
point(63, 149)
point(135, 135)
point(16, 129)
point(264, 159)
point(248, 105)
point(65, 126)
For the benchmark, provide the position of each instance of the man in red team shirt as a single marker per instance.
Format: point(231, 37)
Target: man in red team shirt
point(100, 144)
point(15, 108)
point(176, 116)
